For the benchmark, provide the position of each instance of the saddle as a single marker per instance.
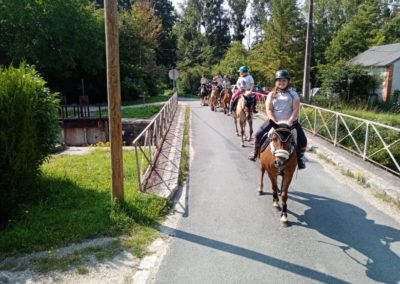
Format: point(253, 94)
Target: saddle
point(283, 136)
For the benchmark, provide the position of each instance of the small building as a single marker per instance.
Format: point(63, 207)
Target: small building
point(384, 60)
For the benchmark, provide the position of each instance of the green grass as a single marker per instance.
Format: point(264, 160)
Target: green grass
point(76, 205)
point(141, 112)
point(152, 99)
point(184, 163)
point(391, 119)
point(134, 112)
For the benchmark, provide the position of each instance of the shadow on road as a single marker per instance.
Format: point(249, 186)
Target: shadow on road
point(349, 225)
point(253, 255)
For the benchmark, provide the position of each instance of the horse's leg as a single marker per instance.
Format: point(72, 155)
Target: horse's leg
point(261, 185)
point(250, 121)
point(287, 178)
point(242, 130)
point(275, 199)
point(236, 124)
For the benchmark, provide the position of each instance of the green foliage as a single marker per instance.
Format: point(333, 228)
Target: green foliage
point(76, 204)
point(346, 81)
point(29, 119)
point(328, 18)
point(390, 32)
point(358, 34)
point(59, 37)
point(238, 18)
point(283, 46)
point(236, 56)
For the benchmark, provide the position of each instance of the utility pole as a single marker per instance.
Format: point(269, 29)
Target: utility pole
point(114, 98)
point(307, 57)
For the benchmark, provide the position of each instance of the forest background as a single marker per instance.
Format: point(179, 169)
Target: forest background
point(65, 42)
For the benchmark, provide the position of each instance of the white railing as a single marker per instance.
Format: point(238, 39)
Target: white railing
point(374, 142)
point(148, 143)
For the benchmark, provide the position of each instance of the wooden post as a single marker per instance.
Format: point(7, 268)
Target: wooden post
point(114, 98)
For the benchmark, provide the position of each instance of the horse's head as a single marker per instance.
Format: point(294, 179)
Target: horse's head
point(282, 143)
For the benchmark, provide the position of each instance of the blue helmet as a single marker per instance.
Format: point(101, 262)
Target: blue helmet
point(243, 69)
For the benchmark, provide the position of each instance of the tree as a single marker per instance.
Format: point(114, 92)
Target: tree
point(139, 33)
point(235, 56)
point(63, 39)
point(390, 32)
point(328, 18)
point(283, 46)
point(358, 34)
point(194, 53)
point(216, 25)
point(260, 12)
point(166, 51)
point(237, 18)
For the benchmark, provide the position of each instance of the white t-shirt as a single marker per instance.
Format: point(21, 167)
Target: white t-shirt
point(283, 104)
point(245, 82)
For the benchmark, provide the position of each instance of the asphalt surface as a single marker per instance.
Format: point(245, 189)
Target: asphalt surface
point(229, 234)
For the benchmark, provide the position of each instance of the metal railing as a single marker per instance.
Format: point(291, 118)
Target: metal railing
point(372, 141)
point(148, 143)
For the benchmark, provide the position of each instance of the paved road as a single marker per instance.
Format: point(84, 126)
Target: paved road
point(231, 235)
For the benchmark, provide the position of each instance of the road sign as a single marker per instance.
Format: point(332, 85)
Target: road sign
point(173, 74)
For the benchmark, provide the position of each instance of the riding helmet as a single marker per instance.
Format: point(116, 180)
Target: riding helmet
point(282, 74)
point(243, 69)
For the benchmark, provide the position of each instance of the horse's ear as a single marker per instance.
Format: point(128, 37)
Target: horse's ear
point(273, 123)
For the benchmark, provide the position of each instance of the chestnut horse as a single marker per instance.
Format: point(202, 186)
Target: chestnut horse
point(279, 158)
point(244, 112)
point(226, 98)
point(214, 98)
point(204, 93)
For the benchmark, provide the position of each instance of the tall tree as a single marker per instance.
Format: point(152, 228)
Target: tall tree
point(238, 8)
point(139, 33)
point(216, 25)
point(194, 53)
point(166, 51)
point(329, 17)
point(235, 56)
point(260, 12)
point(358, 34)
point(283, 46)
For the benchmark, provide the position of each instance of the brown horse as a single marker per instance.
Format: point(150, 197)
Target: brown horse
point(244, 112)
point(279, 158)
point(204, 94)
point(214, 98)
point(226, 98)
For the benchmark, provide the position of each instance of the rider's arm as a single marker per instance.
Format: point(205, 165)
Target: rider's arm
point(270, 107)
point(295, 112)
point(250, 88)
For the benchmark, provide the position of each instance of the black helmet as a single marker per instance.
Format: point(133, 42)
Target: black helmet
point(282, 74)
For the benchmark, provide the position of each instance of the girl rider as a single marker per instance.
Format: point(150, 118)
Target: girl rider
point(244, 83)
point(282, 104)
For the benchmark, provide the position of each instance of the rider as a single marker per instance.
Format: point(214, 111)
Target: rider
point(244, 83)
point(203, 81)
point(217, 80)
point(282, 104)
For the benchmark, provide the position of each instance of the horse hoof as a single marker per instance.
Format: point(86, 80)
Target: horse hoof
point(284, 220)
point(259, 192)
point(242, 145)
point(237, 134)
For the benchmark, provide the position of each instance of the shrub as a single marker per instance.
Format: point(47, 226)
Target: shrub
point(28, 116)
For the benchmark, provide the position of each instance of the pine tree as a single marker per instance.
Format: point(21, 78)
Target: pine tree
point(283, 46)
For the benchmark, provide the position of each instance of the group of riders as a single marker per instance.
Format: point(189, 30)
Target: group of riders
point(282, 104)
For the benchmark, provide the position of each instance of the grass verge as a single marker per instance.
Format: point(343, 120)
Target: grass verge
point(75, 204)
point(184, 163)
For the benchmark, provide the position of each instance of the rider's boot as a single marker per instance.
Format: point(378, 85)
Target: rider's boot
point(300, 162)
point(230, 107)
point(254, 154)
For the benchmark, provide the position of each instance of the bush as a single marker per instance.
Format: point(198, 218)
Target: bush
point(28, 116)
point(348, 81)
